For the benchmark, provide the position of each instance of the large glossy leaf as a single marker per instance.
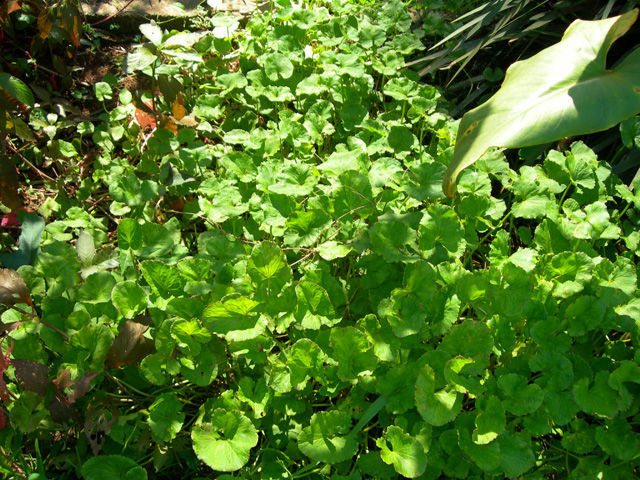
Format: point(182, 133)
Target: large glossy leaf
point(16, 89)
point(562, 91)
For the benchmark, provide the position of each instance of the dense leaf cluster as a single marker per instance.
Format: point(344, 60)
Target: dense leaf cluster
point(288, 293)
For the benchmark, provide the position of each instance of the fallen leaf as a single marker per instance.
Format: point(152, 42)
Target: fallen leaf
point(145, 120)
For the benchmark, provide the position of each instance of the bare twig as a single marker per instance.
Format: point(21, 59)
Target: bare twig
point(31, 165)
point(106, 19)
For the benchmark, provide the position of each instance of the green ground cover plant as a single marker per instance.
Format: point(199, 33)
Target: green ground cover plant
point(250, 270)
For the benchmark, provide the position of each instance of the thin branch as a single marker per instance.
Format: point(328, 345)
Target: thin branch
point(25, 160)
point(55, 329)
point(105, 19)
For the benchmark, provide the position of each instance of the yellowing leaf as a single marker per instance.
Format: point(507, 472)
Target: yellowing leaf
point(44, 24)
point(177, 110)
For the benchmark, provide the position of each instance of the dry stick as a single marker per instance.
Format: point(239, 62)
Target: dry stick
point(31, 165)
point(112, 15)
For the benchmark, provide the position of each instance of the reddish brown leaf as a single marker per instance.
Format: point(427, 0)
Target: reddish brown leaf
point(63, 380)
point(61, 411)
point(33, 376)
point(81, 386)
point(12, 288)
point(7, 327)
point(145, 120)
point(59, 408)
point(9, 6)
point(13, 5)
point(5, 395)
point(130, 347)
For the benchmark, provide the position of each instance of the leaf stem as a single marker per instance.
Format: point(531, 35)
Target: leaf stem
point(33, 317)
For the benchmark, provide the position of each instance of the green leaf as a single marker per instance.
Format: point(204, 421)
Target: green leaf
point(140, 58)
point(440, 234)
point(305, 359)
point(129, 235)
point(314, 308)
point(202, 369)
point(437, 408)
point(277, 65)
point(405, 312)
point(470, 339)
point(391, 235)
point(189, 335)
point(28, 243)
point(517, 455)
point(85, 247)
point(231, 314)
point(67, 149)
point(401, 88)
point(268, 268)
point(97, 288)
point(225, 441)
point(103, 91)
point(353, 352)
point(401, 139)
point(157, 240)
point(404, 452)
point(332, 249)
point(152, 31)
point(129, 298)
point(327, 438)
point(16, 88)
point(571, 83)
point(165, 417)
point(598, 399)
point(618, 440)
point(163, 279)
point(110, 467)
point(520, 398)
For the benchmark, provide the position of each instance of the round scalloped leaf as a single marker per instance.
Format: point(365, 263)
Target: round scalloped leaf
point(268, 268)
point(165, 417)
point(327, 439)
point(108, 467)
point(436, 408)
point(277, 65)
point(406, 454)
point(224, 443)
